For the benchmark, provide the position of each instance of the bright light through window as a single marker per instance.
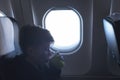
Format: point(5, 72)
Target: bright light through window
point(65, 27)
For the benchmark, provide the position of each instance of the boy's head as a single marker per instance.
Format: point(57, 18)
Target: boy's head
point(35, 41)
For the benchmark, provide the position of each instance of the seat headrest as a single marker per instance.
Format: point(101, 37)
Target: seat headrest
point(6, 36)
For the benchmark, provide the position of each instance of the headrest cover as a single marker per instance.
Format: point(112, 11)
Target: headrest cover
point(6, 36)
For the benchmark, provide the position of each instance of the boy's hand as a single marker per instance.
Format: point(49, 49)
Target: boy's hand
point(57, 61)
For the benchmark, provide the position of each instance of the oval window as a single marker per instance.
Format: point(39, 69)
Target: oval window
point(66, 27)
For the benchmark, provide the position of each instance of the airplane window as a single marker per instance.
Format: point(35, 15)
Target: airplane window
point(66, 29)
point(2, 14)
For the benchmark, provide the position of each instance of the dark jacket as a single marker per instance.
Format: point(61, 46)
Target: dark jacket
point(20, 69)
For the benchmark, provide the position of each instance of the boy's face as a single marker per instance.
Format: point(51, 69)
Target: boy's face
point(40, 53)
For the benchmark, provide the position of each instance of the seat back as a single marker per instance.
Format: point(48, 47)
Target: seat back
point(6, 36)
point(9, 37)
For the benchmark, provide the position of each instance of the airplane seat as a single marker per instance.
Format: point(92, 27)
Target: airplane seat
point(8, 38)
point(7, 48)
point(112, 33)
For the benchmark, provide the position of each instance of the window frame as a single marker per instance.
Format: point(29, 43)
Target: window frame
point(78, 46)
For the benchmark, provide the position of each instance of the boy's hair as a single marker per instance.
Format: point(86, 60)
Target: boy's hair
point(33, 36)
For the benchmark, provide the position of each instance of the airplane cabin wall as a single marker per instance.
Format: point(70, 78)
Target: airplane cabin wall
point(99, 50)
point(115, 6)
point(6, 8)
point(22, 11)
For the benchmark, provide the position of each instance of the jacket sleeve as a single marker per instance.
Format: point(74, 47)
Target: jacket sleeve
point(54, 73)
